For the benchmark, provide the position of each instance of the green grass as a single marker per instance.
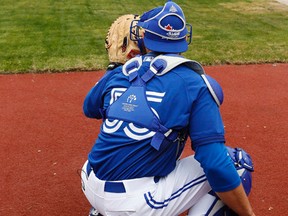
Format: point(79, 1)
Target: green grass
point(67, 35)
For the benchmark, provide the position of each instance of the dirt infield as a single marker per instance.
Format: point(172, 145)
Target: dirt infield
point(45, 138)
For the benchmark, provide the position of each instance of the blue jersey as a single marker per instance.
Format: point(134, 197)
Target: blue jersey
point(181, 101)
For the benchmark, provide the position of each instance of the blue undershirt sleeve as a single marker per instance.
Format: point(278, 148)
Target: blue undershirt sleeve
point(218, 166)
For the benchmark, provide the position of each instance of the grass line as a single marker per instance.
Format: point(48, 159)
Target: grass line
point(56, 36)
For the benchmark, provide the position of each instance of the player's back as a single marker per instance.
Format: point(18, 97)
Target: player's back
point(123, 150)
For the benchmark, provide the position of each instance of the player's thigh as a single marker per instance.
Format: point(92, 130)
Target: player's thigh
point(181, 189)
point(208, 205)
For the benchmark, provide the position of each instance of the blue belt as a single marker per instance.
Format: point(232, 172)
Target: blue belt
point(112, 186)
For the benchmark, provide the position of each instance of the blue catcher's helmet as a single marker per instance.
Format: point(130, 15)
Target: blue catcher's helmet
point(165, 29)
point(244, 166)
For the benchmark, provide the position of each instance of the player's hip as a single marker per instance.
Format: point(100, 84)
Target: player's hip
point(170, 195)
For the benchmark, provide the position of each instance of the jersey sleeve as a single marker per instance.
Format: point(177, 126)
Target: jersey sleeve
point(206, 131)
point(205, 123)
point(93, 102)
point(218, 166)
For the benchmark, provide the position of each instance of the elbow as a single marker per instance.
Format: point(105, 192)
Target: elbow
point(222, 179)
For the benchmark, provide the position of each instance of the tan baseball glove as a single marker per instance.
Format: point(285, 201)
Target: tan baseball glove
point(118, 44)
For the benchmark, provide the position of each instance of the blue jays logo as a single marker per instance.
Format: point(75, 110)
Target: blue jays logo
point(168, 27)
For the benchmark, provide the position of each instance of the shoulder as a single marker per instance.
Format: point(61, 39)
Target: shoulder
point(198, 81)
point(188, 78)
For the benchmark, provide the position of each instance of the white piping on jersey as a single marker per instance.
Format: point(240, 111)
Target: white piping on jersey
point(157, 100)
point(157, 94)
point(116, 93)
point(151, 95)
point(112, 129)
point(112, 123)
point(138, 137)
point(155, 112)
point(137, 129)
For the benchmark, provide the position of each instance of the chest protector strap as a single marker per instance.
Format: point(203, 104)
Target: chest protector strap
point(132, 106)
point(170, 61)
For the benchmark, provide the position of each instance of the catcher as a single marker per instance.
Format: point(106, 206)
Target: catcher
point(134, 166)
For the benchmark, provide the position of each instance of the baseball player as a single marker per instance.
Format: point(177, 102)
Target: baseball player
point(149, 107)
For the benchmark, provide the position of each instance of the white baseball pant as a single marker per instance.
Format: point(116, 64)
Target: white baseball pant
point(186, 187)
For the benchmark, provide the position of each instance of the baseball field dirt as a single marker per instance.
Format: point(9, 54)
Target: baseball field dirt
point(45, 137)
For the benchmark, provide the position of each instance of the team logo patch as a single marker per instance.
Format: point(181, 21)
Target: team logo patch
point(129, 107)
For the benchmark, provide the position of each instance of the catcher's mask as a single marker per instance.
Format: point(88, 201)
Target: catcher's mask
point(165, 29)
point(136, 34)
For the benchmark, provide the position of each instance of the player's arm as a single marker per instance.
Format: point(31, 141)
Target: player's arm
point(93, 102)
point(223, 177)
point(207, 135)
point(237, 200)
